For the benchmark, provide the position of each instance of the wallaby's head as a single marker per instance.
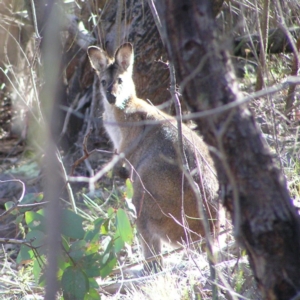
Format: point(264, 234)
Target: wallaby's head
point(115, 74)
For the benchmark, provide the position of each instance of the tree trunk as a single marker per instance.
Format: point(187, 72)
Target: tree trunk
point(131, 21)
point(116, 22)
point(254, 190)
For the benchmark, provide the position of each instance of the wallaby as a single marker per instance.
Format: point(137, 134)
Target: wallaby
point(165, 203)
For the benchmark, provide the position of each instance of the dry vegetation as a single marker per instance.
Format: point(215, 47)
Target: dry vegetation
point(186, 273)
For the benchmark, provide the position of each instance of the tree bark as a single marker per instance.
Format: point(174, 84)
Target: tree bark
point(131, 21)
point(254, 189)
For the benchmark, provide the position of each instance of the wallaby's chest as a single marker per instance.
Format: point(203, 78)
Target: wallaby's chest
point(112, 127)
point(123, 125)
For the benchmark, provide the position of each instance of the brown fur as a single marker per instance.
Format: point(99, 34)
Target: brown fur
point(152, 150)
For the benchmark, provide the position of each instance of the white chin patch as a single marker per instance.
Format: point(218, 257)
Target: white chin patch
point(127, 91)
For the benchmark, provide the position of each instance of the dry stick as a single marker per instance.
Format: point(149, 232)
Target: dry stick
point(35, 20)
point(86, 153)
point(38, 37)
point(118, 24)
point(70, 110)
point(50, 92)
point(182, 156)
point(68, 186)
point(156, 20)
point(89, 127)
point(35, 56)
point(16, 78)
point(200, 200)
point(263, 36)
point(20, 198)
point(16, 180)
point(15, 241)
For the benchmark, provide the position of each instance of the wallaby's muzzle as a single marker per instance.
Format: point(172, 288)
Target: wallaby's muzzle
point(111, 98)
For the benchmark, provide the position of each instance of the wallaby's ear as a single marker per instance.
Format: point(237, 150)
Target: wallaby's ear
point(124, 56)
point(98, 58)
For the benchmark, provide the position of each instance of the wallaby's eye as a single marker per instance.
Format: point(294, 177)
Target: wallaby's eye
point(103, 82)
point(120, 80)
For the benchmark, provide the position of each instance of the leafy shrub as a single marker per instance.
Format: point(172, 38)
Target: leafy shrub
point(89, 249)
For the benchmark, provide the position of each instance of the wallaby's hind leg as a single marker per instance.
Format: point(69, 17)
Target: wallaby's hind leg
point(151, 246)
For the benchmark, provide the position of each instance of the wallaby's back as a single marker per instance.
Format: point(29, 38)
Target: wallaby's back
point(165, 203)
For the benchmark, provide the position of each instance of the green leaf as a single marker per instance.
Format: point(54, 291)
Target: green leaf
point(108, 254)
point(30, 199)
point(19, 219)
point(37, 270)
point(104, 227)
point(74, 283)
point(25, 254)
point(123, 225)
point(91, 265)
point(65, 244)
point(98, 222)
point(111, 212)
point(78, 250)
point(92, 235)
point(72, 225)
point(107, 244)
point(93, 248)
point(9, 204)
point(129, 189)
point(92, 294)
point(35, 220)
point(38, 241)
point(63, 264)
point(36, 237)
point(105, 258)
point(93, 283)
point(108, 267)
point(28, 170)
point(118, 243)
point(42, 281)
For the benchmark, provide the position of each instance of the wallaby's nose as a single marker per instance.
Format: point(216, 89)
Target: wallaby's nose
point(111, 98)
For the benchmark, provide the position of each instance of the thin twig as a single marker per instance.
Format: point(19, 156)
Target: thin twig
point(35, 20)
point(68, 186)
point(16, 242)
point(86, 153)
point(156, 19)
point(20, 198)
